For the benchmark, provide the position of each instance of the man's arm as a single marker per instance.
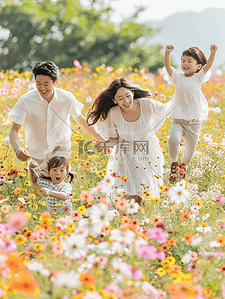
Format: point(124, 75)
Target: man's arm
point(89, 129)
point(21, 153)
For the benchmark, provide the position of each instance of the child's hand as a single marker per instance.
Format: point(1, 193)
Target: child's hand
point(169, 48)
point(213, 48)
point(45, 191)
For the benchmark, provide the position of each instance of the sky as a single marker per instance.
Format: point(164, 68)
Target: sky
point(161, 9)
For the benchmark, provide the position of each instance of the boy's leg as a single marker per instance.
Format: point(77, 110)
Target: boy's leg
point(176, 133)
point(191, 141)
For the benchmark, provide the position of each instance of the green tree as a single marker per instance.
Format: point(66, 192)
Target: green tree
point(64, 31)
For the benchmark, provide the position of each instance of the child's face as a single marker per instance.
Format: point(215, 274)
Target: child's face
point(189, 65)
point(58, 174)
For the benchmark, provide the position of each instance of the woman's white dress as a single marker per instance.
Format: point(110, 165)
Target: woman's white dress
point(137, 155)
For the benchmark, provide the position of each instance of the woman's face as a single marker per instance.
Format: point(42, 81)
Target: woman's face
point(124, 98)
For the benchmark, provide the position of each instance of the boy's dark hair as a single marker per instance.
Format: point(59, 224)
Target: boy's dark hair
point(58, 161)
point(197, 54)
point(46, 68)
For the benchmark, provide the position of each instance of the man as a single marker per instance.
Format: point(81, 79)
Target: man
point(46, 111)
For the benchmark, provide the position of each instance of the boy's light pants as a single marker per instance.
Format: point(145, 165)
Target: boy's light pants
point(190, 130)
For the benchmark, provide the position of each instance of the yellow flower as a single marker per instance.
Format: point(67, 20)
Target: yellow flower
point(91, 289)
point(81, 210)
point(58, 204)
point(38, 247)
point(28, 214)
point(111, 296)
point(26, 183)
point(100, 173)
point(20, 239)
point(171, 260)
point(160, 271)
point(199, 203)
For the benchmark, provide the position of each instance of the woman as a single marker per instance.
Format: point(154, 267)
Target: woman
point(130, 120)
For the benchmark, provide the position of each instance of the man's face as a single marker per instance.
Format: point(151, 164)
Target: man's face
point(45, 86)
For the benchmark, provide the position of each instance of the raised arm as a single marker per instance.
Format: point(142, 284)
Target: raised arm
point(21, 153)
point(168, 50)
point(90, 129)
point(58, 195)
point(210, 61)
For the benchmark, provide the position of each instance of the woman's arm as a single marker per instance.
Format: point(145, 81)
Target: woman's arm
point(89, 129)
point(104, 146)
point(168, 50)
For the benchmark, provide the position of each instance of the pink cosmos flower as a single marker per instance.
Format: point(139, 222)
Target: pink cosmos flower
point(136, 274)
point(194, 256)
point(147, 252)
point(86, 196)
point(158, 234)
point(112, 288)
point(18, 220)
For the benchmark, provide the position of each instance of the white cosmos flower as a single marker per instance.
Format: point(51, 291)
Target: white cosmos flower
point(93, 229)
point(74, 246)
point(101, 214)
point(149, 289)
point(186, 258)
point(68, 279)
point(179, 194)
point(121, 270)
point(132, 207)
point(196, 241)
point(92, 295)
point(87, 263)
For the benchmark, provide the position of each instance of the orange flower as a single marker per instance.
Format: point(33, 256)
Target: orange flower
point(87, 279)
point(23, 283)
point(114, 174)
point(221, 240)
point(165, 247)
point(22, 207)
point(173, 241)
point(125, 220)
point(46, 215)
point(17, 190)
point(174, 288)
point(185, 216)
point(135, 222)
point(188, 237)
point(155, 220)
point(121, 204)
point(38, 191)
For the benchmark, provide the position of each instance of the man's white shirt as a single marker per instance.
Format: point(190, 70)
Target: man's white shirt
point(46, 124)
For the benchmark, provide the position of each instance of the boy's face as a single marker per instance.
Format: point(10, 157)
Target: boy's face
point(58, 174)
point(45, 87)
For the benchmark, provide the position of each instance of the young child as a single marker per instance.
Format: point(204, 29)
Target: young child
point(55, 189)
point(192, 106)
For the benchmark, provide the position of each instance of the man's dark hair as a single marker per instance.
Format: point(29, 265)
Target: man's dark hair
point(46, 68)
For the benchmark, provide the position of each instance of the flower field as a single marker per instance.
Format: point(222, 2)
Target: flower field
point(171, 247)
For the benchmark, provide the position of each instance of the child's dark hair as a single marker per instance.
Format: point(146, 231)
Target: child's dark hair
point(197, 54)
point(46, 68)
point(58, 161)
point(104, 102)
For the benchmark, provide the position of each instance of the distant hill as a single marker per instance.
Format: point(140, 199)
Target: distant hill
point(188, 29)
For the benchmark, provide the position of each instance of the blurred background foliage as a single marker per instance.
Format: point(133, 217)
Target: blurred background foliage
point(64, 31)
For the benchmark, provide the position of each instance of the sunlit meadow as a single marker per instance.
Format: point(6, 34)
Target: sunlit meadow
point(168, 247)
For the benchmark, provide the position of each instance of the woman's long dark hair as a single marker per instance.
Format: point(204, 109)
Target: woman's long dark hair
point(104, 102)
